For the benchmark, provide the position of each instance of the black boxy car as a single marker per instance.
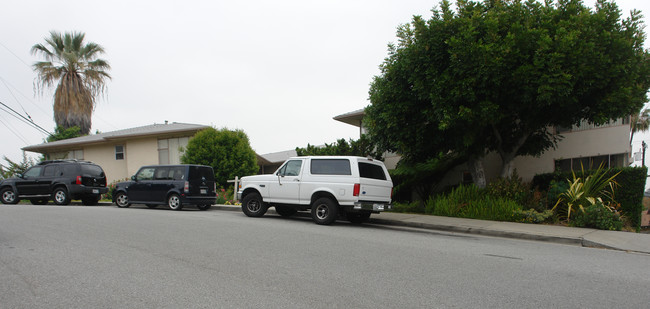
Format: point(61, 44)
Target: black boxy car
point(59, 180)
point(171, 185)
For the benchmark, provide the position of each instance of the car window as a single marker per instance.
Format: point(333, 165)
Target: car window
point(162, 173)
point(200, 172)
point(374, 171)
point(291, 168)
point(92, 170)
point(33, 172)
point(177, 173)
point(51, 170)
point(330, 167)
point(145, 173)
point(70, 169)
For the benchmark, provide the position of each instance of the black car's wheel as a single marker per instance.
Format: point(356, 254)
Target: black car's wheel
point(152, 205)
point(8, 196)
point(324, 211)
point(174, 202)
point(358, 218)
point(253, 206)
point(204, 207)
point(122, 200)
point(90, 201)
point(60, 196)
point(38, 201)
point(285, 211)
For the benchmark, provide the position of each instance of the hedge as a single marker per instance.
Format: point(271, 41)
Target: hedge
point(629, 193)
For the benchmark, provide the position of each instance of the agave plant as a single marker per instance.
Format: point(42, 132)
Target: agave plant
point(587, 191)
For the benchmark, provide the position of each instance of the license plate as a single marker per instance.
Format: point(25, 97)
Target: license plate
point(96, 191)
point(204, 191)
point(378, 206)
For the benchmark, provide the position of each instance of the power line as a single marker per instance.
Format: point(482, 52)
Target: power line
point(9, 50)
point(15, 133)
point(7, 84)
point(23, 119)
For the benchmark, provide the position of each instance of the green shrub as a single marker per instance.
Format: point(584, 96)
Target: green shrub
point(413, 207)
point(472, 202)
point(597, 216)
point(513, 188)
point(532, 216)
point(555, 188)
point(629, 194)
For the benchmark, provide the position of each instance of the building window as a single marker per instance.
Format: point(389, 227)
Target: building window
point(119, 152)
point(76, 154)
point(607, 161)
point(170, 150)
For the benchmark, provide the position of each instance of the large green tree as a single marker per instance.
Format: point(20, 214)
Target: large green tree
point(79, 75)
point(498, 75)
point(227, 151)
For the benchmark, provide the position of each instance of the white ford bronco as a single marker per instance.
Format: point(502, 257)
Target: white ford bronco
point(329, 186)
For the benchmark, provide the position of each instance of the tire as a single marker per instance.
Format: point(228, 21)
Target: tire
point(285, 211)
point(60, 196)
point(253, 206)
point(90, 201)
point(122, 200)
point(38, 201)
point(324, 211)
point(8, 196)
point(152, 205)
point(358, 217)
point(174, 202)
point(204, 207)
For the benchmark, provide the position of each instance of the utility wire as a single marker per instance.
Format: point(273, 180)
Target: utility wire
point(15, 133)
point(22, 118)
point(7, 84)
point(9, 50)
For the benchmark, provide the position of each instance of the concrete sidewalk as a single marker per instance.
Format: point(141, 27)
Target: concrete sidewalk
point(625, 241)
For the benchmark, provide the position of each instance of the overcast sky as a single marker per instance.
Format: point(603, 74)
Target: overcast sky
point(279, 70)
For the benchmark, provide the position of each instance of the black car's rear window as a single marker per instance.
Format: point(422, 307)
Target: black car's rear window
point(367, 170)
point(330, 167)
point(198, 172)
point(92, 170)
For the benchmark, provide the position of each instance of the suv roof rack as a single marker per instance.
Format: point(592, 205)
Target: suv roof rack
point(62, 161)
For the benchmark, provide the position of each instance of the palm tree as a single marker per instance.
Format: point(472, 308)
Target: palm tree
point(80, 75)
point(639, 123)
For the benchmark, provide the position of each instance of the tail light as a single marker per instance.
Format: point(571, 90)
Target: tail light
point(78, 181)
point(187, 187)
point(357, 189)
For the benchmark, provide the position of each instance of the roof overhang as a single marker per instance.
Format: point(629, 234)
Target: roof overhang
point(354, 118)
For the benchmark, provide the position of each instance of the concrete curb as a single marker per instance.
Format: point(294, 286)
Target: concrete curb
point(623, 241)
point(481, 231)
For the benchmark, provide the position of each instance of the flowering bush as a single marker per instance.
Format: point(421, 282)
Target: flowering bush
point(225, 196)
point(111, 188)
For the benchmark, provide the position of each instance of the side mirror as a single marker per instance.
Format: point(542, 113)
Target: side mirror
point(20, 176)
point(133, 178)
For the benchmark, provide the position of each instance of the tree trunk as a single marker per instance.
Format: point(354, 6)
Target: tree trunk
point(507, 165)
point(477, 171)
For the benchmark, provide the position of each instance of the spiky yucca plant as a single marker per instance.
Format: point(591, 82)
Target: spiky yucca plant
point(80, 75)
point(587, 191)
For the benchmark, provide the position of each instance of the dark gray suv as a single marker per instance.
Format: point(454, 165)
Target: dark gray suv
point(58, 180)
point(171, 185)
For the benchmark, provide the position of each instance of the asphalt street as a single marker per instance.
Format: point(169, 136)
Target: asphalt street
point(91, 257)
